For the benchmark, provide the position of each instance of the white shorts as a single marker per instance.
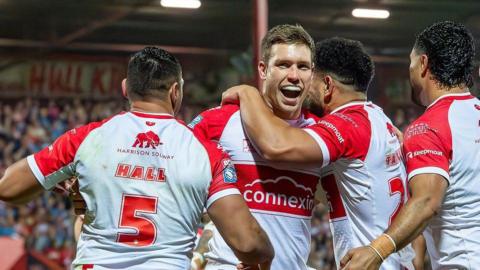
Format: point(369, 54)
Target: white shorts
point(219, 266)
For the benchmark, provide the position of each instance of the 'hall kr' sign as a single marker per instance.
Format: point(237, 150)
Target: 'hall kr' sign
point(63, 78)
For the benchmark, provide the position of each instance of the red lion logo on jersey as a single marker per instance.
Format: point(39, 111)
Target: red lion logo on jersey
point(146, 140)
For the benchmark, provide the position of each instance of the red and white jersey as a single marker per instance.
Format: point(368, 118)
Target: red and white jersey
point(445, 140)
point(280, 196)
point(363, 175)
point(146, 179)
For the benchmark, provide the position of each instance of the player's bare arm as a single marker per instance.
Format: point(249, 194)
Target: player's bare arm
point(427, 192)
point(18, 185)
point(241, 231)
point(273, 137)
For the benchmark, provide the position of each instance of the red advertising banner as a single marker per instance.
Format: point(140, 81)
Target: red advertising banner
point(63, 78)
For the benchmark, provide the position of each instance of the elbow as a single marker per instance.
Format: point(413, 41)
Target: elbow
point(272, 153)
point(4, 196)
point(255, 250)
point(271, 156)
point(431, 207)
point(434, 208)
point(7, 194)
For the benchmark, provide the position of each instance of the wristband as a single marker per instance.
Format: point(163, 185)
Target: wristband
point(393, 242)
point(384, 245)
point(376, 251)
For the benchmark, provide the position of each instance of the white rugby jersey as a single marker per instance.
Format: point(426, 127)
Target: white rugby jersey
point(363, 176)
point(445, 140)
point(280, 196)
point(145, 179)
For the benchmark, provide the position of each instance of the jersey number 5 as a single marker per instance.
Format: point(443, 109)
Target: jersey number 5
point(146, 233)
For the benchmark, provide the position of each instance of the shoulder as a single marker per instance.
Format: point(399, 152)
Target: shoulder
point(212, 149)
point(81, 132)
point(211, 123)
point(348, 121)
point(433, 122)
point(220, 113)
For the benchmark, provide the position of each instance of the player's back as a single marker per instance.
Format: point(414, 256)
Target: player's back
point(365, 181)
point(445, 140)
point(145, 179)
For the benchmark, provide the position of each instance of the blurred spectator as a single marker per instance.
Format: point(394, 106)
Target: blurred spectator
point(27, 126)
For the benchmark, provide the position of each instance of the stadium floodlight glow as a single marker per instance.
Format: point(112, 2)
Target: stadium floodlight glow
point(370, 13)
point(181, 3)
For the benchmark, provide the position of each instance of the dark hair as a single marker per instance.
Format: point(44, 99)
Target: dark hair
point(151, 72)
point(346, 60)
point(450, 50)
point(286, 34)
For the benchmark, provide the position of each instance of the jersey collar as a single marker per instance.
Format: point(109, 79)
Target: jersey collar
point(350, 104)
point(467, 94)
point(152, 115)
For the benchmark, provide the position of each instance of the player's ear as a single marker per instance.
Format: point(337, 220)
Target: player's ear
point(329, 83)
point(176, 96)
point(124, 88)
point(174, 92)
point(262, 70)
point(328, 88)
point(424, 64)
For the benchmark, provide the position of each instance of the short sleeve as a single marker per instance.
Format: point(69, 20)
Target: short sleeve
point(426, 151)
point(55, 163)
point(224, 176)
point(327, 133)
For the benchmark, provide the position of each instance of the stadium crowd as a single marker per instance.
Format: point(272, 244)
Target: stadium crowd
point(46, 224)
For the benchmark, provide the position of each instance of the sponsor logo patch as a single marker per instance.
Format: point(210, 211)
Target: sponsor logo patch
point(277, 191)
point(301, 198)
point(229, 173)
point(424, 152)
point(418, 129)
point(195, 121)
point(346, 118)
point(333, 128)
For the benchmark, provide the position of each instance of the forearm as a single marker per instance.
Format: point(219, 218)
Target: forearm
point(420, 247)
point(241, 231)
point(411, 221)
point(18, 185)
point(25, 197)
point(260, 253)
point(262, 126)
point(427, 196)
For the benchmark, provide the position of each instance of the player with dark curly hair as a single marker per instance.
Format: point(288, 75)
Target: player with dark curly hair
point(450, 50)
point(442, 155)
point(355, 143)
point(355, 67)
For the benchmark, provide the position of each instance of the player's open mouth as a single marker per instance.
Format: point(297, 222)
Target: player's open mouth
point(291, 91)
